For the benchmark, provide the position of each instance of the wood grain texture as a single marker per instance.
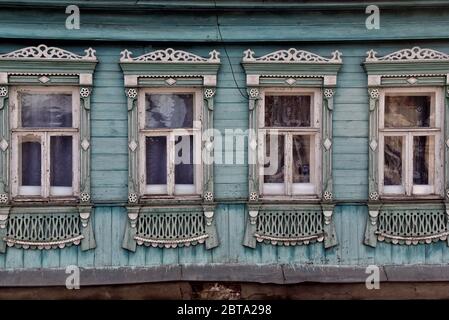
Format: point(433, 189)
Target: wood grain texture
point(110, 151)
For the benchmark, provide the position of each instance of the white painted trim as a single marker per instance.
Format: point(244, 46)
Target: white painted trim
point(44, 135)
point(171, 189)
point(436, 173)
point(290, 189)
point(156, 189)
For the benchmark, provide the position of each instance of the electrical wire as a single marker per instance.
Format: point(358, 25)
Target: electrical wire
point(244, 95)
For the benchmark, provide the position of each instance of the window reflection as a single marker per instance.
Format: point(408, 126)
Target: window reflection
point(287, 111)
point(46, 110)
point(274, 162)
point(423, 146)
point(407, 111)
point(393, 161)
point(169, 111)
point(301, 159)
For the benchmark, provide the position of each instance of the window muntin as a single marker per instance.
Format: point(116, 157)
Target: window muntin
point(289, 128)
point(410, 137)
point(45, 136)
point(170, 131)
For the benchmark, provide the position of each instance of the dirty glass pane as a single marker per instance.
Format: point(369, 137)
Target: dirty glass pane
point(423, 150)
point(274, 160)
point(407, 111)
point(168, 111)
point(61, 161)
point(393, 161)
point(46, 110)
point(156, 160)
point(30, 155)
point(287, 111)
point(184, 159)
point(301, 159)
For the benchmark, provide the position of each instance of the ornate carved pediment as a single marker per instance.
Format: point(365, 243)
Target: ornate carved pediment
point(411, 55)
point(170, 55)
point(291, 55)
point(48, 53)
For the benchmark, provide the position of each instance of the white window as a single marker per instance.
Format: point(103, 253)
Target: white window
point(45, 139)
point(289, 133)
point(170, 140)
point(411, 149)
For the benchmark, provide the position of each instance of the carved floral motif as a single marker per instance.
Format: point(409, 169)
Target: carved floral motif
point(44, 52)
point(292, 55)
point(413, 54)
point(170, 55)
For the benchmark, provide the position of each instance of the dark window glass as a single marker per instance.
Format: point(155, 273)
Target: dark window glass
point(61, 161)
point(287, 111)
point(301, 159)
point(407, 111)
point(156, 160)
point(393, 161)
point(31, 163)
point(423, 148)
point(184, 160)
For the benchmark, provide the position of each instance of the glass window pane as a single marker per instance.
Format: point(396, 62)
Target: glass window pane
point(46, 110)
point(184, 159)
point(61, 161)
point(168, 111)
point(30, 165)
point(301, 159)
point(393, 161)
point(287, 111)
point(407, 111)
point(156, 160)
point(274, 160)
point(423, 151)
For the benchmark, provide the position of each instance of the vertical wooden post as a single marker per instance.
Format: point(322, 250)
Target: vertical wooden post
point(4, 165)
point(249, 239)
point(207, 125)
point(4, 145)
point(373, 201)
point(133, 146)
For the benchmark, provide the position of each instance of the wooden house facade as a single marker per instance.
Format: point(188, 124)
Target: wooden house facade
point(364, 176)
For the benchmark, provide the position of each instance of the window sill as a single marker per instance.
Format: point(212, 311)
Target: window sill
point(29, 200)
point(409, 199)
point(309, 199)
point(171, 200)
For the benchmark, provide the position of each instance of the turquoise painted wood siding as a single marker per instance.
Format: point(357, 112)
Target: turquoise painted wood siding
point(109, 174)
point(319, 32)
point(110, 224)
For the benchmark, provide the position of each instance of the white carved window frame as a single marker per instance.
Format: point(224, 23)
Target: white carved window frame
point(408, 189)
point(291, 71)
point(410, 71)
point(44, 134)
point(170, 134)
point(303, 189)
point(172, 71)
point(50, 70)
